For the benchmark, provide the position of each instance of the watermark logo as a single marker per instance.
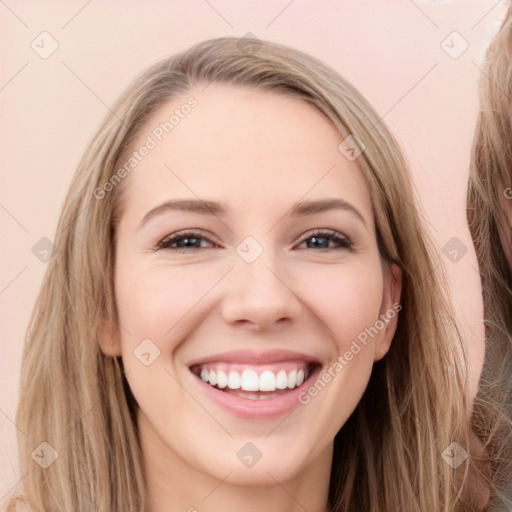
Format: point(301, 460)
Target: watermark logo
point(454, 45)
point(45, 455)
point(249, 249)
point(249, 44)
point(454, 249)
point(147, 352)
point(44, 250)
point(45, 45)
point(249, 455)
point(351, 147)
point(454, 455)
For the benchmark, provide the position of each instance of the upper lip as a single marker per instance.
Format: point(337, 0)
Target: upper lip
point(251, 357)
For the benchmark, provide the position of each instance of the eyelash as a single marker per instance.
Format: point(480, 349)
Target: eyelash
point(333, 236)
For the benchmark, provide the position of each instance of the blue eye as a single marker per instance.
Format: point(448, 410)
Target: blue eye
point(317, 239)
point(322, 238)
point(183, 241)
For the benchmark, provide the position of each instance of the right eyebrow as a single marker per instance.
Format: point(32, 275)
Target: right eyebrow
point(186, 205)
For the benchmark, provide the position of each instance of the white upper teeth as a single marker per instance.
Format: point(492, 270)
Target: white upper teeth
point(249, 380)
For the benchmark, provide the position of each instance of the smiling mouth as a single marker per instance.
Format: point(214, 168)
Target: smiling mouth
point(255, 382)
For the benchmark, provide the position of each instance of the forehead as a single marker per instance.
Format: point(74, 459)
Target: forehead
point(250, 148)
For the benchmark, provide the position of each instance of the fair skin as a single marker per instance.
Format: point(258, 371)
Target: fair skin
point(257, 153)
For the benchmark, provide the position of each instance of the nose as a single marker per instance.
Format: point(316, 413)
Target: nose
point(260, 296)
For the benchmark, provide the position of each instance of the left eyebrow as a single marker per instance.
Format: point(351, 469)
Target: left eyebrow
point(309, 207)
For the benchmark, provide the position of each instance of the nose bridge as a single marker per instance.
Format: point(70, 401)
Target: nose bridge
point(260, 292)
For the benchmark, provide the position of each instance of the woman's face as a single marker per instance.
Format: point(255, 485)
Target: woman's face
point(247, 256)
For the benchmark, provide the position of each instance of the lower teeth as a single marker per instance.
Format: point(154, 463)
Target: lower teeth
point(253, 395)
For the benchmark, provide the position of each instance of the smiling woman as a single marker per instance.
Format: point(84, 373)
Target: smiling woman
point(267, 249)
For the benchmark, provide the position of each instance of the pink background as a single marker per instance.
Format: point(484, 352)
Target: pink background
point(391, 50)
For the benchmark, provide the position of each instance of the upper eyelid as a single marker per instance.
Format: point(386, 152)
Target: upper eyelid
point(185, 232)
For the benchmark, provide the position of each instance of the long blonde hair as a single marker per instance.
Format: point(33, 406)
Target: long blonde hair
point(389, 454)
point(490, 178)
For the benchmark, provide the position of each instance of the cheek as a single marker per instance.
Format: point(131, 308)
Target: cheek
point(154, 304)
point(152, 300)
point(346, 298)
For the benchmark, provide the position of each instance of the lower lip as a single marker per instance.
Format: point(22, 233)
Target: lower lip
point(265, 409)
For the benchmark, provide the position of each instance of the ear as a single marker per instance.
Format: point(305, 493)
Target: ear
point(109, 338)
point(390, 307)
